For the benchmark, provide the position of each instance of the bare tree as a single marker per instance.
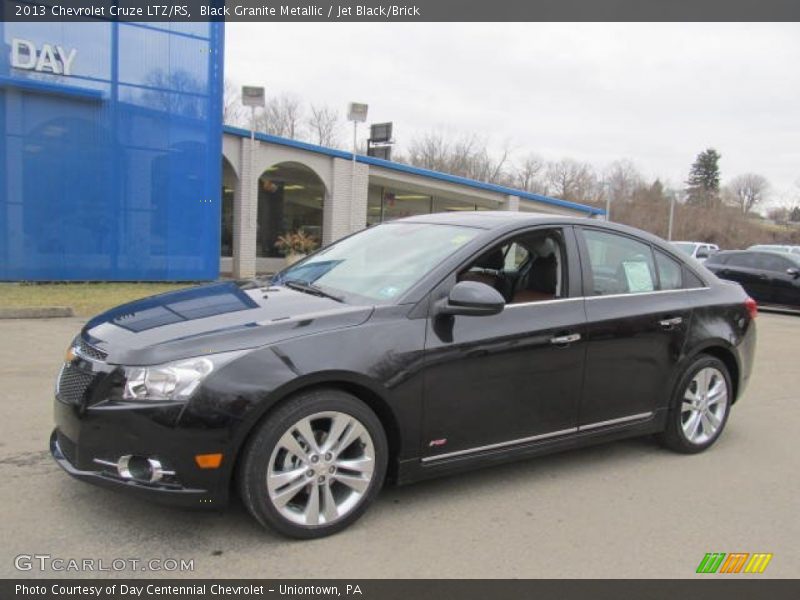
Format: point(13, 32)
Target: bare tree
point(467, 156)
point(622, 180)
point(232, 109)
point(749, 190)
point(324, 125)
point(282, 116)
point(528, 175)
point(175, 91)
point(569, 179)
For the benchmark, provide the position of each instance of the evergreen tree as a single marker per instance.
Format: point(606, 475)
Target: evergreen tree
point(703, 183)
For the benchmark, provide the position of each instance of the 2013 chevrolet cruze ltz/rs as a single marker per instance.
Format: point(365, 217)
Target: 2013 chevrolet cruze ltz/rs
point(411, 349)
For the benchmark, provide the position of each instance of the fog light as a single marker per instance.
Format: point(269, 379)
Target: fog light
point(140, 468)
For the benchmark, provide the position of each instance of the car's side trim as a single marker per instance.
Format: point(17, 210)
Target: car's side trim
point(536, 438)
point(540, 302)
point(532, 438)
point(636, 417)
point(639, 295)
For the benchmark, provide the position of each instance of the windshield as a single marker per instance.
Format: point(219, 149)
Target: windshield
point(380, 263)
point(685, 247)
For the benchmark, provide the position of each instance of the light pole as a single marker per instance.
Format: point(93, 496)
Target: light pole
point(608, 200)
point(244, 222)
point(673, 197)
point(254, 98)
point(357, 113)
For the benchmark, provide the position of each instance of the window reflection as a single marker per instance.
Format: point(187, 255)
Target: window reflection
point(183, 305)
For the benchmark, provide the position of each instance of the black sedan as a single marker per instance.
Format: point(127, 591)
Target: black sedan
point(409, 350)
point(771, 278)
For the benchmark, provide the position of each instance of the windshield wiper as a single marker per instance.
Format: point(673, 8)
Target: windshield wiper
point(310, 288)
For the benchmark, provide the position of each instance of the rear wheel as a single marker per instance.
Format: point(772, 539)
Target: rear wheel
point(314, 465)
point(700, 407)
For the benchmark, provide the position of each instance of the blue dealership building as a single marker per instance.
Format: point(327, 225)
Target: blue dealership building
point(110, 154)
point(115, 165)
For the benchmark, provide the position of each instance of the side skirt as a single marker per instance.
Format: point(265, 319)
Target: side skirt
point(413, 470)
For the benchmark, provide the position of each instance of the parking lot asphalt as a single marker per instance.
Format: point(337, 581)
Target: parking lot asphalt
point(627, 509)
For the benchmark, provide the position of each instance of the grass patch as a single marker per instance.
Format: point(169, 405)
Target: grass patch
point(86, 299)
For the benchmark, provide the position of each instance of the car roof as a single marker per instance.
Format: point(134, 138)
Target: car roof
point(507, 221)
point(489, 219)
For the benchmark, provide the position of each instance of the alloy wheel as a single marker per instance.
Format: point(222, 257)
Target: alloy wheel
point(704, 404)
point(321, 468)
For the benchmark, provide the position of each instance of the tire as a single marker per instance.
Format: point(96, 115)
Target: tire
point(319, 488)
point(698, 414)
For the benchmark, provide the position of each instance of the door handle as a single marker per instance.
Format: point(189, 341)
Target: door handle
point(671, 322)
point(565, 339)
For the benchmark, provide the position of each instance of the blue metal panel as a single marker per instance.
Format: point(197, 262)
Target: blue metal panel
point(111, 172)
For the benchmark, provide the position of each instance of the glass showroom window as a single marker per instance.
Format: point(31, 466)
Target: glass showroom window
point(290, 199)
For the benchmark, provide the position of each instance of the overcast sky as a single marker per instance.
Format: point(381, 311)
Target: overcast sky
point(654, 93)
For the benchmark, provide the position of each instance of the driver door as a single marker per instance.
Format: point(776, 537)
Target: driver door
point(495, 382)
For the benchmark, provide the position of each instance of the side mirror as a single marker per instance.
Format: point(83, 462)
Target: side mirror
point(794, 272)
point(703, 253)
point(473, 299)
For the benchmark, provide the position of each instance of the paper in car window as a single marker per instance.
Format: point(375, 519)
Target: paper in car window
point(638, 276)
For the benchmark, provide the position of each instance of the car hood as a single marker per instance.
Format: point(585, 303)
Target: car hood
point(213, 318)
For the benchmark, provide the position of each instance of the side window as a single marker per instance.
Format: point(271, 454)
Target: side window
point(748, 261)
point(773, 263)
point(619, 264)
point(669, 272)
point(690, 280)
point(529, 268)
point(515, 256)
point(717, 259)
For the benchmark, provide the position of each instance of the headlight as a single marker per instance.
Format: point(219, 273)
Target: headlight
point(172, 381)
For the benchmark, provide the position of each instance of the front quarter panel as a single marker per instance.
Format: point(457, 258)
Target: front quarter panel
point(383, 356)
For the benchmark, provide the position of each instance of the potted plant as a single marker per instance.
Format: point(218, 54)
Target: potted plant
point(295, 245)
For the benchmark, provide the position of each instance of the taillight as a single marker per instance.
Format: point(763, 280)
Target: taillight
point(752, 307)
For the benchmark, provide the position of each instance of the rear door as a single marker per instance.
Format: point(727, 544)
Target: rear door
point(637, 320)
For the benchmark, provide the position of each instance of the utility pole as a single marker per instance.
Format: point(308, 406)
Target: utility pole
point(673, 197)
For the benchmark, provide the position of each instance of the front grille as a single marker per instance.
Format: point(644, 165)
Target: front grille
point(72, 384)
point(90, 351)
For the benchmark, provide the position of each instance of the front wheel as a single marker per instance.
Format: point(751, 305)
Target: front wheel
point(314, 465)
point(700, 407)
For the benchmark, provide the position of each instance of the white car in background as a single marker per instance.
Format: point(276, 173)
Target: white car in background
point(776, 248)
point(699, 250)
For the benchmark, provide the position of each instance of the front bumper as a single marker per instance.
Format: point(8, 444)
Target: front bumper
point(93, 431)
point(173, 495)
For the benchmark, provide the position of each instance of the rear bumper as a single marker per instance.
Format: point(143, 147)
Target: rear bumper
point(173, 495)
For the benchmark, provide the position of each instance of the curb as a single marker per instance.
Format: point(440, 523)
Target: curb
point(36, 312)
